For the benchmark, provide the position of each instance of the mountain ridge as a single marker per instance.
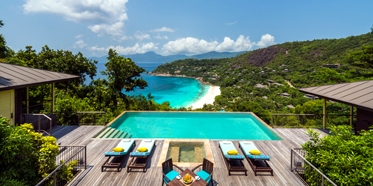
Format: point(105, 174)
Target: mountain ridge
point(156, 58)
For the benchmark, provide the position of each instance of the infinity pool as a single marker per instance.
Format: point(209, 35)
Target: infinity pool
point(194, 125)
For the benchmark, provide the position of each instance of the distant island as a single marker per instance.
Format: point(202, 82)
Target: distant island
point(156, 58)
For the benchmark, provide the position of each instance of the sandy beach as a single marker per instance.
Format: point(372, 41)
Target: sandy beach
point(208, 98)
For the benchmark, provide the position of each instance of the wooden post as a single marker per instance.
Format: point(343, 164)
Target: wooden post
point(27, 100)
point(298, 121)
point(39, 122)
point(52, 98)
point(324, 115)
point(272, 120)
point(351, 115)
point(54, 179)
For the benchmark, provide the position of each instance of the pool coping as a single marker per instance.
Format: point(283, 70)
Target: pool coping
point(166, 144)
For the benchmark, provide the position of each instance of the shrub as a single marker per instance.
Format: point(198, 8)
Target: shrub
point(26, 156)
point(343, 157)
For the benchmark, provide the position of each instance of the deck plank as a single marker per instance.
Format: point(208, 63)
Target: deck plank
point(278, 150)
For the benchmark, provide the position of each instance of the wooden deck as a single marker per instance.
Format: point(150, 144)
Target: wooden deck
point(279, 151)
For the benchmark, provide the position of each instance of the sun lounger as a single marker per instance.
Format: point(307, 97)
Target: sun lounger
point(139, 160)
point(257, 162)
point(118, 157)
point(233, 162)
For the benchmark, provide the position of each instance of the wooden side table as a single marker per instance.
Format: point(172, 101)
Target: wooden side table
point(176, 182)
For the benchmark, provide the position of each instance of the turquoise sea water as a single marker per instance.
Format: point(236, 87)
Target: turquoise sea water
point(180, 92)
point(194, 125)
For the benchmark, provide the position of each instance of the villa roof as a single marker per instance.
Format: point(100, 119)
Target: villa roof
point(15, 76)
point(357, 94)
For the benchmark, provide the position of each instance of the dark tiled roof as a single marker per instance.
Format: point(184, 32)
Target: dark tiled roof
point(15, 76)
point(357, 94)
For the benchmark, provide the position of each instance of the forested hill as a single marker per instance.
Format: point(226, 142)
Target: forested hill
point(258, 80)
point(302, 59)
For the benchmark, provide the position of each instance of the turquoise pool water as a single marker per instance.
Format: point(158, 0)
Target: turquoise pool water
point(194, 125)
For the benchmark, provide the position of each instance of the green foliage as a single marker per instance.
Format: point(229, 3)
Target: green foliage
point(343, 157)
point(4, 50)
point(66, 171)
point(28, 156)
point(123, 73)
point(330, 76)
point(362, 58)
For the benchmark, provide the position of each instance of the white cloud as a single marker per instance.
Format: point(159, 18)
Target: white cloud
point(190, 45)
point(114, 29)
point(160, 37)
point(231, 23)
point(78, 36)
point(140, 36)
point(79, 44)
point(266, 40)
point(106, 16)
point(122, 38)
point(163, 29)
point(136, 49)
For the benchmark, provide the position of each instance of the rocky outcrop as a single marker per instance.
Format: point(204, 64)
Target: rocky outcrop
point(264, 56)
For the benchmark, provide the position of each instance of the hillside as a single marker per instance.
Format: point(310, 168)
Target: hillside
point(153, 57)
point(261, 77)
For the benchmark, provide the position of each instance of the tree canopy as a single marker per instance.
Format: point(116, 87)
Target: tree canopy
point(343, 157)
point(362, 58)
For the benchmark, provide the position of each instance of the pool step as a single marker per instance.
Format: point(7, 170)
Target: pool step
point(118, 134)
point(108, 133)
point(175, 151)
point(103, 132)
point(113, 134)
point(123, 135)
point(198, 154)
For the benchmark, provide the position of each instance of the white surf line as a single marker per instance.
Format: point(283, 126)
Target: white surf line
point(209, 98)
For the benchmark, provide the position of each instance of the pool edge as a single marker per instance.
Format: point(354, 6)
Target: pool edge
point(265, 124)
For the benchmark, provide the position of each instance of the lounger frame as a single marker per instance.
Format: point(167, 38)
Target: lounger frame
point(233, 165)
point(139, 162)
point(254, 164)
point(118, 165)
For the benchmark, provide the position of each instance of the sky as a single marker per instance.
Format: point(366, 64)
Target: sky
point(169, 27)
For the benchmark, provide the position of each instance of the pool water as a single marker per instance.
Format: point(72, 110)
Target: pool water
point(194, 125)
point(186, 152)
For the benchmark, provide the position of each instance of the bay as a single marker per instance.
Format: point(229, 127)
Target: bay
point(179, 91)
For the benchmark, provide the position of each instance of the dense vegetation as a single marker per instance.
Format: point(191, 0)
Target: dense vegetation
point(256, 80)
point(26, 156)
point(343, 157)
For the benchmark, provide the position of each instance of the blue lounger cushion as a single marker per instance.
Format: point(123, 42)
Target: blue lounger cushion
point(125, 144)
point(248, 146)
point(149, 144)
point(227, 146)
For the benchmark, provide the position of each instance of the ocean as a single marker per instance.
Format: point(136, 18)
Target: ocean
point(179, 91)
